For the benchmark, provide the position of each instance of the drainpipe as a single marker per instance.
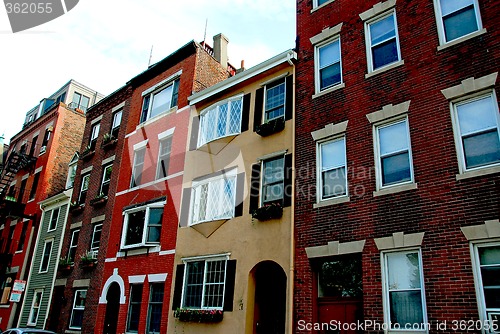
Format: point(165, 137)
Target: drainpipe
point(291, 274)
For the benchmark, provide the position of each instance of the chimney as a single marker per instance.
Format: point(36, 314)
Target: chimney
point(220, 49)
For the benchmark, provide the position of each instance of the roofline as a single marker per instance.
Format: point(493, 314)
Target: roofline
point(286, 56)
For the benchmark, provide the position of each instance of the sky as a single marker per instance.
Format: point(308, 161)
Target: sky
point(104, 43)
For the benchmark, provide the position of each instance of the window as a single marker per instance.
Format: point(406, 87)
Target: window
point(73, 244)
point(33, 146)
point(487, 274)
point(332, 176)
point(160, 100)
point(35, 307)
point(274, 106)
point(155, 307)
point(45, 141)
point(340, 276)
point(164, 157)
point(204, 283)
point(318, 3)
point(84, 188)
point(77, 310)
point(34, 186)
point(106, 179)
point(142, 226)
point(71, 176)
point(61, 98)
point(328, 65)
point(477, 123)
point(22, 188)
point(457, 18)
point(383, 42)
point(80, 101)
point(22, 238)
point(273, 174)
point(404, 301)
point(47, 251)
point(214, 199)
point(115, 126)
point(137, 167)
point(96, 238)
point(53, 219)
point(220, 120)
point(8, 282)
point(394, 164)
point(94, 134)
point(134, 308)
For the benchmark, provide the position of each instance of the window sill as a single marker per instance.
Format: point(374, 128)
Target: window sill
point(72, 331)
point(321, 6)
point(329, 90)
point(5, 306)
point(478, 172)
point(384, 69)
point(395, 189)
point(139, 250)
point(332, 201)
point(462, 39)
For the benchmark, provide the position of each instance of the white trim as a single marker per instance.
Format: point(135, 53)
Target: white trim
point(222, 256)
point(319, 172)
point(49, 240)
point(462, 39)
point(144, 243)
point(162, 83)
point(377, 9)
point(86, 170)
point(115, 278)
point(108, 160)
point(272, 155)
point(270, 81)
point(94, 121)
point(136, 279)
point(29, 322)
point(330, 130)
point(167, 252)
point(145, 185)
point(118, 107)
point(317, 84)
point(111, 259)
point(154, 278)
point(81, 283)
point(140, 145)
point(326, 33)
point(25, 176)
point(98, 219)
point(38, 170)
point(166, 133)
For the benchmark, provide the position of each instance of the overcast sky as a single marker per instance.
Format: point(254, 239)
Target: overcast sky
point(104, 43)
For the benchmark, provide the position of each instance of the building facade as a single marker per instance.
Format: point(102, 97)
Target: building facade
point(234, 242)
point(36, 167)
point(137, 269)
point(398, 161)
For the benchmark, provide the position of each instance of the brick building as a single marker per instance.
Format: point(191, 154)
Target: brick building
point(137, 266)
point(398, 161)
point(36, 167)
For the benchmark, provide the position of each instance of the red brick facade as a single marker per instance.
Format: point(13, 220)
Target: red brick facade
point(442, 202)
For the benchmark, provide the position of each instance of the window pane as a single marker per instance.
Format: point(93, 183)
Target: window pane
point(134, 311)
point(334, 183)
point(333, 154)
point(382, 30)
point(194, 284)
point(329, 54)
point(385, 53)
point(460, 23)
point(393, 138)
point(214, 283)
point(492, 297)
point(396, 168)
point(222, 120)
point(450, 6)
point(340, 277)
point(154, 225)
point(46, 256)
point(117, 119)
point(482, 149)
point(404, 271)
point(406, 308)
point(489, 255)
point(161, 101)
point(329, 76)
point(491, 276)
point(135, 228)
point(275, 101)
point(235, 117)
point(476, 116)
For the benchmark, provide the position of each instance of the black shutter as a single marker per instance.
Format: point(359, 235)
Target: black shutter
point(195, 126)
point(287, 197)
point(185, 205)
point(229, 288)
point(259, 104)
point(289, 97)
point(179, 282)
point(240, 186)
point(255, 188)
point(245, 115)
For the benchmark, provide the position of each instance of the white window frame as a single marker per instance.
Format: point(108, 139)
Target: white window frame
point(378, 157)
point(319, 169)
point(144, 242)
point(317, 77)
point(478, 282)
point(232, 174)
point(82, 189)
point(51, 242)
point(385, 290)
point(133, 183)
point(214, 111)
point(271, 85)
point(205, 259)
point(70, 180)
point(95, 250)
point(104, 176)
point(113, 121)
point(73, 244)
point(152, 92)
point(33, 308)
point(160, 156)
point(457, 132)
point(74, 307)
point(52, 217)
point(369, 46)
point(96, 128)
point(316, 3)
point(440, 23)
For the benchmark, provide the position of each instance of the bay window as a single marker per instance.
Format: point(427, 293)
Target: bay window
point(220, 120)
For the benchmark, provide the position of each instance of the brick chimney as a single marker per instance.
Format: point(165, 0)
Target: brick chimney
point(220, 49)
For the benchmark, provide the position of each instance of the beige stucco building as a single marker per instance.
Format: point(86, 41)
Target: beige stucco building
point(234, 250)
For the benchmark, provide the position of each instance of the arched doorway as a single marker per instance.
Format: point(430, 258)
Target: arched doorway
point(270, 298)
point(112, 309)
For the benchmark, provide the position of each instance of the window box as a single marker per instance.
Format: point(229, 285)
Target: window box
point(87, 153)
point(271, 127)
point(268, 212)
point(88, 260)
point(100, 199)
point(108, 141)
point(76, 208)
point(205, 316)
point(65, 264)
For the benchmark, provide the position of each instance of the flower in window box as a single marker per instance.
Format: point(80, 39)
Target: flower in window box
point(270, 127)
point(268, 211)
point(108, 140)
point(88, 260)
point(196, 315)
point(87, 153)
point(99, 200)
point(76, 207)
point(65, 264)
